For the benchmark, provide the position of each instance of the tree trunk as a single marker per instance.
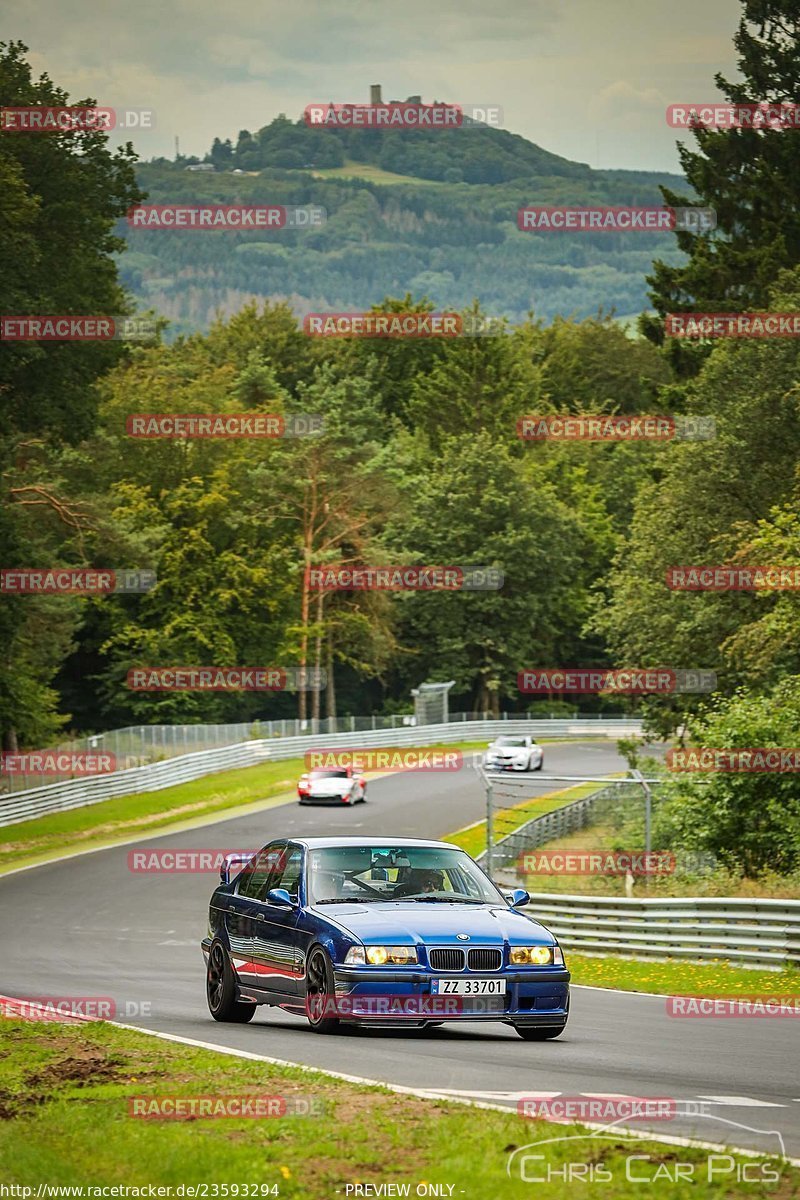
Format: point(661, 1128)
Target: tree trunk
point(315, 694)
point(10, 743)
point(305, 601)
point(330, 695)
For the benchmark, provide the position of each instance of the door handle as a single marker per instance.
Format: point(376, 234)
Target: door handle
point(260, 917)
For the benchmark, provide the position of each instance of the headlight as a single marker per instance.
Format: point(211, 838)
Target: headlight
point(378, 956)
point(536, 956)
point(355, 957)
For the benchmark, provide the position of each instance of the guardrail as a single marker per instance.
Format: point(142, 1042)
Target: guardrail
point(138, 745)
point(75, 793)
point(756, 933)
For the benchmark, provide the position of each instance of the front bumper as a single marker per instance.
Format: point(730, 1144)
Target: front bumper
point(340, 801)
point(538, 997)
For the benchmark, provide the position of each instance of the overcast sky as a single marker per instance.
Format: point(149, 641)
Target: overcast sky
point(587, 79)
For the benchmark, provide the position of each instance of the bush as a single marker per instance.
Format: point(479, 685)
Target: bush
point(749, 820)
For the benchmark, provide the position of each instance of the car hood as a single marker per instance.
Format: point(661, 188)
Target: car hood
point(330, 787)
point(438, 923)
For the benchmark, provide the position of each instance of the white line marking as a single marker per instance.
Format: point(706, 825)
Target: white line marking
point(423, 1094)
point(741, 1102)
point(590, 987)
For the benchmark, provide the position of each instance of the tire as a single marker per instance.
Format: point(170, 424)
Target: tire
point(541, 1033)
point(541, 764)
point(320, 989)
point(221, 989)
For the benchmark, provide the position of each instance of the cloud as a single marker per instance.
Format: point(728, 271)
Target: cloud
point(626, 106)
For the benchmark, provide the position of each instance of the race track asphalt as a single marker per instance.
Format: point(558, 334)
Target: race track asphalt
point(88, 926)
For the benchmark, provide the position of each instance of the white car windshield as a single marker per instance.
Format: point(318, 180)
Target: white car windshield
point(333, 773)
point(511, 741)
point(386, 873)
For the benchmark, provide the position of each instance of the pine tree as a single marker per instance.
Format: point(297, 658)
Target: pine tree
point(751, 177)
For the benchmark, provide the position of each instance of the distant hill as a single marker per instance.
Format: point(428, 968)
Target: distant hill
point(432, 213)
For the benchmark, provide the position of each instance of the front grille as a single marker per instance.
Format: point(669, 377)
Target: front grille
point(485, 960)
point(446, 960)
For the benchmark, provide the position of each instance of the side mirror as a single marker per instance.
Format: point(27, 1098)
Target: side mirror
point(282, 899)
point(519, 898)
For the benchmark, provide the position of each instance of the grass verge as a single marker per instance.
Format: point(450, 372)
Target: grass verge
point(675, 977)
point(65, 1120)
point(115, 820)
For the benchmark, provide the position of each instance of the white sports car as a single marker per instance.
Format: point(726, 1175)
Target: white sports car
point(514, 753)
point(331, 785)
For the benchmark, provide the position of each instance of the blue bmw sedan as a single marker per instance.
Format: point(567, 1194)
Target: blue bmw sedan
point(368, 931)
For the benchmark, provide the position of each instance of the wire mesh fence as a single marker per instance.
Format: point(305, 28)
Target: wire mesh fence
point(600, 834)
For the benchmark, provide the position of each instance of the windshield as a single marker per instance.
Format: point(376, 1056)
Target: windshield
point(384, 874)
point(510, 741)
point(322, 773)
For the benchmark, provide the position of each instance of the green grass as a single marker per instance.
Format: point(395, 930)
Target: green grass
point(184, 806)
point(64, 1120)
point(675, 977)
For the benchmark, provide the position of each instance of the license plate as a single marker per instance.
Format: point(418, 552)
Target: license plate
point(468, 987)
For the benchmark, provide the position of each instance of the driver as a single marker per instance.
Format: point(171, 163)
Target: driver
point(420, 882)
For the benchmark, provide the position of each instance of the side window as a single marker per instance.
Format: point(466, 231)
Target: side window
point(287, 873)
point(256, 875)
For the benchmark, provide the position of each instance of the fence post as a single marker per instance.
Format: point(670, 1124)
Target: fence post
point(489, 827)
point(648, 808)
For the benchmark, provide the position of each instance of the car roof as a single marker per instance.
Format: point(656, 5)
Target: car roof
point(319, 843)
